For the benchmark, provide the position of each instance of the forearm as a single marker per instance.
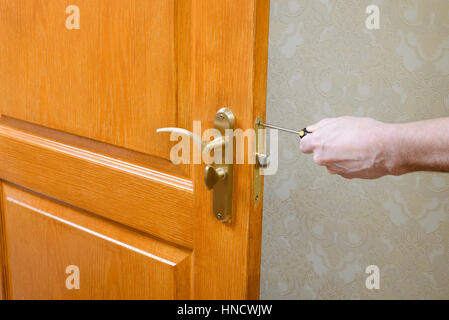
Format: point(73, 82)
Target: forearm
point(419, 146)
point(368, 149)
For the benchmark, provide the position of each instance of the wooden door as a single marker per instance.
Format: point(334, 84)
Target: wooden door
point(87, 186)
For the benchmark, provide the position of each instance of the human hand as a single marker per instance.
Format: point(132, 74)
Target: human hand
point(351, 147)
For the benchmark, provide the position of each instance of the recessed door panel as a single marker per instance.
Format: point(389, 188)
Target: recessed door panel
point(113, 80)
point(56, 252)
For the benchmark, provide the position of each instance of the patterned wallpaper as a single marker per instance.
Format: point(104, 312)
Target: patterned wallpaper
point(320, 232)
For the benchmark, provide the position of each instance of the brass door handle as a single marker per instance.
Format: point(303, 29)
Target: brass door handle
point(213, 175)
point(195, 138)
point(219, 176)
point(205, 148)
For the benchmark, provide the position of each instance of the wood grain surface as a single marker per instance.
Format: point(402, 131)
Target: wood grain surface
point(79, 151)
point(114, 262)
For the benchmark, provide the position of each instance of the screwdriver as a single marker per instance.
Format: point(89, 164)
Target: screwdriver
point(302, 133)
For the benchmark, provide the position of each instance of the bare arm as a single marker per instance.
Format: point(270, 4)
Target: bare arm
point(366, 148)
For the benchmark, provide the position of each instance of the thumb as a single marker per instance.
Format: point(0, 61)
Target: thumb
point(306, 144)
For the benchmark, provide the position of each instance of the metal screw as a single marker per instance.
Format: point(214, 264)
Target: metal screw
point(219, 216)
point(257, 198)
point(221, 116)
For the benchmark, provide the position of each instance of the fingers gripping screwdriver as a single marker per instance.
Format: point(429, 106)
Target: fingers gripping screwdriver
point(301, 133)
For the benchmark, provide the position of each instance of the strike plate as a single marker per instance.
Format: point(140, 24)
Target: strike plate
point(257, 183)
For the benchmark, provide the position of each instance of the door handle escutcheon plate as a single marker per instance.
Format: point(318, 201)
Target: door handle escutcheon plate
point(219, 177)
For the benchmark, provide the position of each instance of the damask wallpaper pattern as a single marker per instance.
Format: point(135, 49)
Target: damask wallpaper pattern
point(320, 232)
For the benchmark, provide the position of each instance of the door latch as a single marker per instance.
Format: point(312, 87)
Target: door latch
point(262, 160)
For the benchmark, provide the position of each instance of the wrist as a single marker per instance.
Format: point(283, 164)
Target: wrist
point(395, 148)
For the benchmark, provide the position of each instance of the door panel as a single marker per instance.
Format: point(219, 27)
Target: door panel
point(114, 262)
point(79, 112)
point(114, 80)
point(136, 196)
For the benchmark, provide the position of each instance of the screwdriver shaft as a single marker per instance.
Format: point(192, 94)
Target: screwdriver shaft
point(267, 125)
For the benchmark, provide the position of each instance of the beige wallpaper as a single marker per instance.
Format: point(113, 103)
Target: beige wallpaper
point(320, 232)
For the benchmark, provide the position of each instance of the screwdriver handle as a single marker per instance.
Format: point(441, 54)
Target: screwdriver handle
point(303, 133)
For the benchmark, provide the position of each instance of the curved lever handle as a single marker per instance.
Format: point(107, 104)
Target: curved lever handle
point(205, 148)
point(213, 175)
point(218, 142)
point(185, 132)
